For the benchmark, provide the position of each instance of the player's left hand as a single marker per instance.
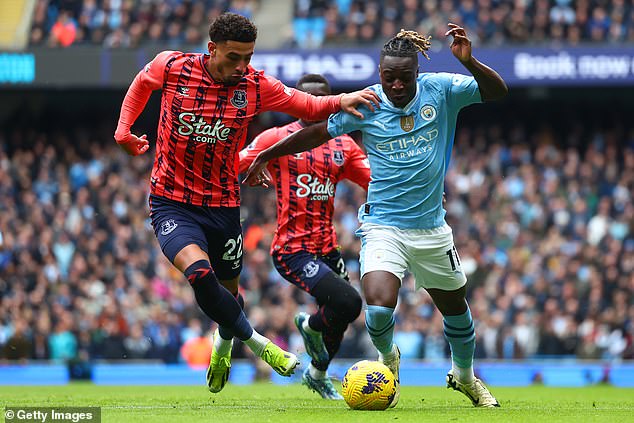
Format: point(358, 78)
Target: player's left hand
point(367, 98)
point(461, 45)
point(257, 174)
point(132, 144)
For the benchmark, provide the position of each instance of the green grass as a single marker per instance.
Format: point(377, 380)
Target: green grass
point(273, 403)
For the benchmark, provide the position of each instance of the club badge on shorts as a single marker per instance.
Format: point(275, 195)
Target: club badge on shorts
point(239, 99)
point(168, 227)
point(407, 123)
point(310, 269)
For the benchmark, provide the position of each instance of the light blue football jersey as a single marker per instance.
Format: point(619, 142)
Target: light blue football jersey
point(409, 150)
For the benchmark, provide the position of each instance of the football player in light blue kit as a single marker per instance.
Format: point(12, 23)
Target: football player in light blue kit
point(409, 142)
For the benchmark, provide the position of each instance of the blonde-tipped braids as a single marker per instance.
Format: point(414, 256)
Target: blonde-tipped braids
point(407, 43)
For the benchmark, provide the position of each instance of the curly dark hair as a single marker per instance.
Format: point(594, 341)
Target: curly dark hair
point(232, 27)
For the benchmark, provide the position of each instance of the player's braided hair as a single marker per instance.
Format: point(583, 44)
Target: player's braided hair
point(406, 44)
point(232, 27)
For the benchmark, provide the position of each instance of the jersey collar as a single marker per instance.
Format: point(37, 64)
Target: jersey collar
point(408, 107)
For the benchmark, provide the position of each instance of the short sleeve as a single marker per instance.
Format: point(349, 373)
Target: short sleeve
point(462, 90)
point(357, 168)
point(342, 123)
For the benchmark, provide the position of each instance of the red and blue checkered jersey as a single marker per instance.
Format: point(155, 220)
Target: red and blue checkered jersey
point(203, 124)
point(305, 185)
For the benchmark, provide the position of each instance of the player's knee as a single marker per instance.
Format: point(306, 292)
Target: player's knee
point(340, 296)
point(381, 289)
point(202, 279)
point(199, 272)
point(349, 304)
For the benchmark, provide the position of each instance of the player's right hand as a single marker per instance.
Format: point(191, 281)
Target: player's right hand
point(132, 144)
point(367, 98)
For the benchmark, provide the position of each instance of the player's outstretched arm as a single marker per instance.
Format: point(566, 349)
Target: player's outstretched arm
point(276, 96)
point(133, 104)
point(147, 80)
point(352, 101)
point(490, 83)
point(303, 140)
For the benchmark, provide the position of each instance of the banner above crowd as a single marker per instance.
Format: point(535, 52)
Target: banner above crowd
point(346, 68)
point(518, 66)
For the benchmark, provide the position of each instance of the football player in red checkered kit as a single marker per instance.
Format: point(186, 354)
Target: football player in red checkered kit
point(305, 249)
point(207, 103)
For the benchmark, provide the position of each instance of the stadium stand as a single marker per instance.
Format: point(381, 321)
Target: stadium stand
point(128, 24)
point(315, 23)
point(540, 199)
point(542, 214)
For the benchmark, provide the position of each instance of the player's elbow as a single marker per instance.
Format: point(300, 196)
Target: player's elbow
point(498, 92)
point(503, 91)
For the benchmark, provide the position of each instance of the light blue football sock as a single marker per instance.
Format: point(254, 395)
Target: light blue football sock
point(379, 321)
point(460, 333)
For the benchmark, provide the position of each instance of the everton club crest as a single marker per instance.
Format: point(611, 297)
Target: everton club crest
point(407, 123)
point(337, 157)
point(239, 99)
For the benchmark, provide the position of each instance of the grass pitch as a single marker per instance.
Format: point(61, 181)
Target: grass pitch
point(265, 402)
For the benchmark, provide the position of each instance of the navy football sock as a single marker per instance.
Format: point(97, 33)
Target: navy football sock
point(216, 301)
point(225, 332)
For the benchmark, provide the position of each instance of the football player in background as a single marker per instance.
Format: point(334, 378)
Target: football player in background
point(304, 248)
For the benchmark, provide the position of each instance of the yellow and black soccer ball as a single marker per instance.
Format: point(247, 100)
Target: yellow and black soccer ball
point(368, 385)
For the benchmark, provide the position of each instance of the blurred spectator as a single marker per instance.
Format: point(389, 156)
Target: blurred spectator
point(63, 343)
point(196, 351)
point(63, 31)
point(18, 346)
point(242, 7)
point(309, 23)
point(136, 345)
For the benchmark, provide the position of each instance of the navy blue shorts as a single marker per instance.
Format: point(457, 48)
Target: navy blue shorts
point(304, 269)
point(216, 230)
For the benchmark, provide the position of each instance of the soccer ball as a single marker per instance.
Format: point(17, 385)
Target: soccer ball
point(368, 385)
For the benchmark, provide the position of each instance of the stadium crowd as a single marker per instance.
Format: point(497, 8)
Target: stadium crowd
point(488, 22)
point(544, 223)
point(315, 23)
point(129, 23)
